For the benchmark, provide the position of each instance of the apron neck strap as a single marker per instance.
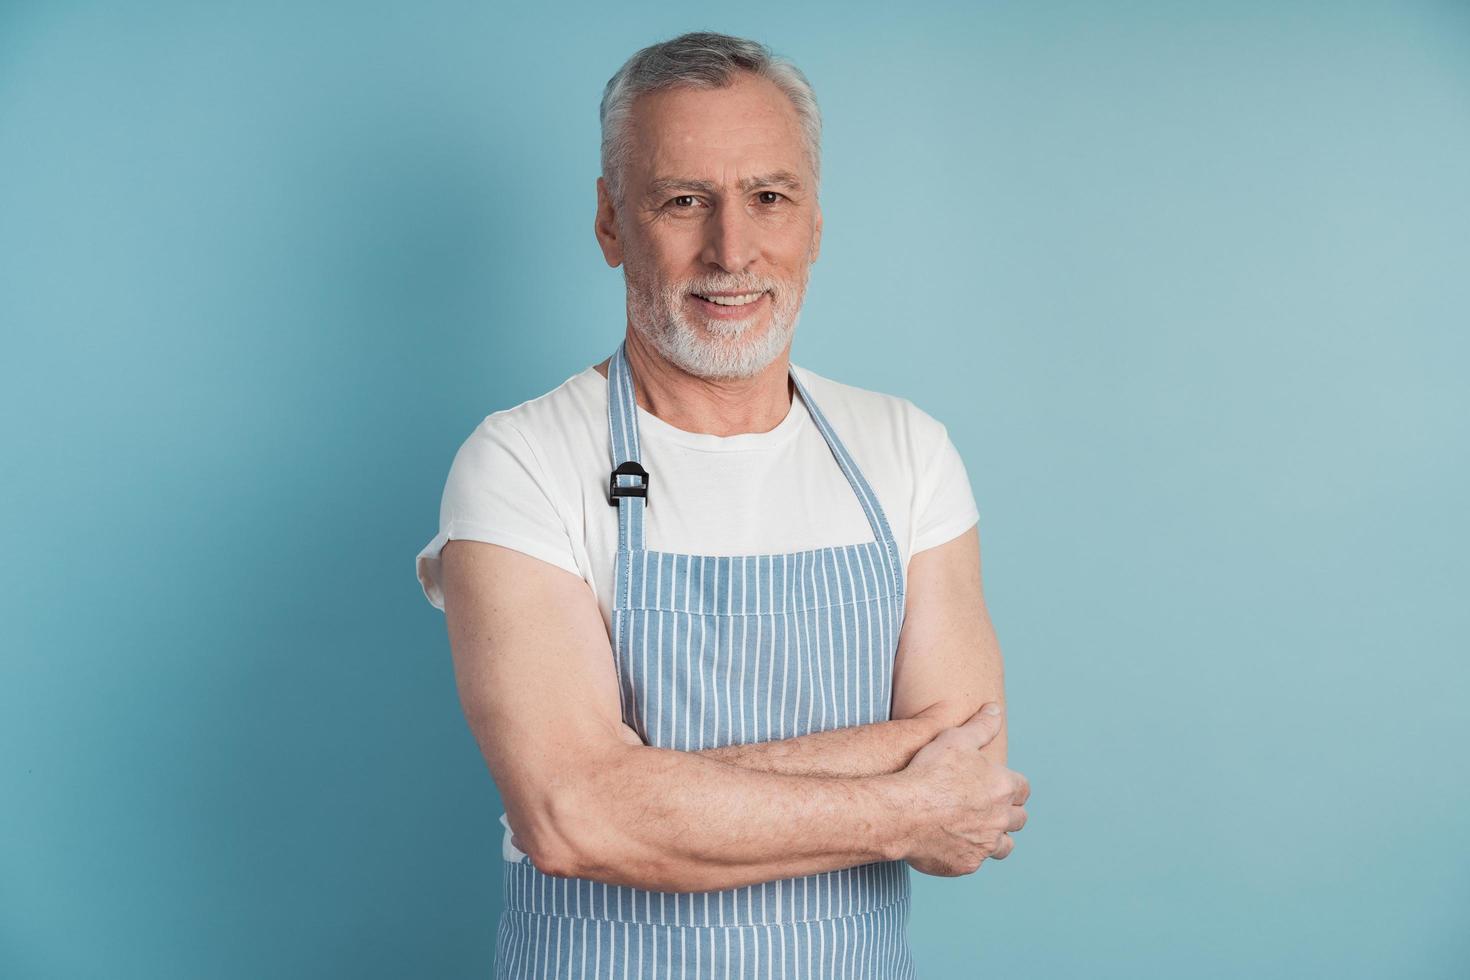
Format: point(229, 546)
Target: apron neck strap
point(628, 485)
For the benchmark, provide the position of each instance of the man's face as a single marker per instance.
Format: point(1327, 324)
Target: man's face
point(719, 198)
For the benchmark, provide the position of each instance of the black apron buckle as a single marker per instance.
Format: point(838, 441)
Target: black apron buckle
point(629, 468)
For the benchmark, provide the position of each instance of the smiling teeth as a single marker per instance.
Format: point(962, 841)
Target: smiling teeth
point(731, 300)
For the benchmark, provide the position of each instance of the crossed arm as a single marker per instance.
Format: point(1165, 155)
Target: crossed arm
point(588, 799)
point(948, 664)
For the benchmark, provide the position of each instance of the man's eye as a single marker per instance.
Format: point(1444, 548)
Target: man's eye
point(682, 197)
point(774, 194)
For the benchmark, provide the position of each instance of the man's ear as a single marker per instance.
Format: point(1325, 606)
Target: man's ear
point(606, 226)
point(817, 236)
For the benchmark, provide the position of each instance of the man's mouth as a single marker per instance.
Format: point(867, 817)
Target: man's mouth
point(743, 299)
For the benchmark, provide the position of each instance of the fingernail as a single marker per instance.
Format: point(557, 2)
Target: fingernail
point(991, 709)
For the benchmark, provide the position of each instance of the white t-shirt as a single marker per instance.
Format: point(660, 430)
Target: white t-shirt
point(534, 478)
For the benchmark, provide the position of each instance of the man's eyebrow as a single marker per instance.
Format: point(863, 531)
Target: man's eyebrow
point(776, 178)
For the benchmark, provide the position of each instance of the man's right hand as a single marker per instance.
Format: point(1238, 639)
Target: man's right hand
point(969, 806)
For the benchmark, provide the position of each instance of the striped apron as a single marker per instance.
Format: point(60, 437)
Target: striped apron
point(713, 650)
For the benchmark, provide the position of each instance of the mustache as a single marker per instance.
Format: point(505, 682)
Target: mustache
point(727, 286)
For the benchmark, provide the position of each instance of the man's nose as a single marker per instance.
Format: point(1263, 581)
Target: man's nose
point(730, 239)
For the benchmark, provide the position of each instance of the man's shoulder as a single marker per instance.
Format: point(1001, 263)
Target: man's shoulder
point(868, 410)
point(553, 429)
point(575, 399)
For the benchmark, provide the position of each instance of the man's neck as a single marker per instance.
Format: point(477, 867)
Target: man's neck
point(716, 406)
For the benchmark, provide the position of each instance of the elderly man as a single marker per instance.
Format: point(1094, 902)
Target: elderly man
point(716, 619)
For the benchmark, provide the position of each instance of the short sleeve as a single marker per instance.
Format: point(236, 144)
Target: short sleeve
point(946, 502)
point(497, 491)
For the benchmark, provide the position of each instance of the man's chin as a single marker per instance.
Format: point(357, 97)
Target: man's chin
point(728, 330)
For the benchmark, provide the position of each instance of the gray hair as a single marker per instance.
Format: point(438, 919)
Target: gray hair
point(704, 60)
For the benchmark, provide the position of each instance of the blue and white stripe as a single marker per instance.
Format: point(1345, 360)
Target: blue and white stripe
point(717, 650)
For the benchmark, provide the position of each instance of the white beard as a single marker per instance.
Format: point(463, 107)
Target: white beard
point(713, 348)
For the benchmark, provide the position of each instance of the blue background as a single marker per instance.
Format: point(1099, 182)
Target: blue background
point(1188, 284)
